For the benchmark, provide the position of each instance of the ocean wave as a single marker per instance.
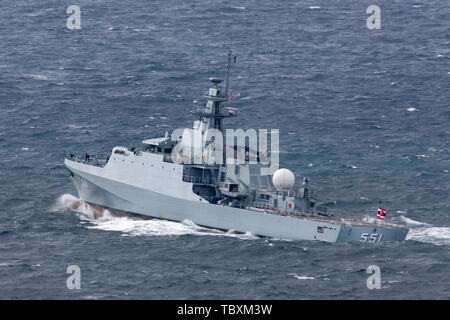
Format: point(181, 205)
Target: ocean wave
point(435, 235)
point(130, 226)
point(411, 222)
point(39, 77)
point(302, 277)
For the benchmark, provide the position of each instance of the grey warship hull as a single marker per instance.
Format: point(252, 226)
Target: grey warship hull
point(190, 176)
point(118, 196)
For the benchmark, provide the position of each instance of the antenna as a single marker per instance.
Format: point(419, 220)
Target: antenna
point(227, 78)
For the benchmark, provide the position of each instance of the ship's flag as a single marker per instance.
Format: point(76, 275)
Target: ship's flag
point(231, 95)
point(381, 213)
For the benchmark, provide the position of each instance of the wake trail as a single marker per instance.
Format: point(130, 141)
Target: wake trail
point(130, 226)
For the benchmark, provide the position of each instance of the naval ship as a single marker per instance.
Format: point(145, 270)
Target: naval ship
point(158, 181)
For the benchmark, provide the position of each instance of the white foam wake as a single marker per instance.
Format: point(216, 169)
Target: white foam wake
point(137, 227)
point(435, 235)
point(424, 232)
point(411, 222)
point(68, 201)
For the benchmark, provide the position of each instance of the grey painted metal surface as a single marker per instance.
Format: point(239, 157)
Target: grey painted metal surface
point(156, 183)
point(98, 186)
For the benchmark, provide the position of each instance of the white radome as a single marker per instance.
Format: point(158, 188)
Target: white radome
point(283, 179)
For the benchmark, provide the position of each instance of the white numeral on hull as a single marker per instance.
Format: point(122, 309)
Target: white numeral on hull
point(374, 237)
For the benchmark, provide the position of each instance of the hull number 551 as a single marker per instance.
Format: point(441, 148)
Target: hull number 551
point(374, 237)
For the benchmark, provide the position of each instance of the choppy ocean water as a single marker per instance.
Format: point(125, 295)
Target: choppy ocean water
point(363, 113)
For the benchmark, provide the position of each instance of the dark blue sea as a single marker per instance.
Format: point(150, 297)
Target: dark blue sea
point(365, 114)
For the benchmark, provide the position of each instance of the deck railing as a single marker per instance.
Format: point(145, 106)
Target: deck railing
point(91, 160)
point(200, 180)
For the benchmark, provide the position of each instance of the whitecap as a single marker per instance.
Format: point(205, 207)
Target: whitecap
point(74, 126)
point(6, 264)
point(302, 277)
point(39, 77)
point(412, 109)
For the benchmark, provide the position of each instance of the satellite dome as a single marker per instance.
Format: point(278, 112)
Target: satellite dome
point(283, 179)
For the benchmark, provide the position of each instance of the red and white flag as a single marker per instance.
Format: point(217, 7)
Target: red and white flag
point(381, 213)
